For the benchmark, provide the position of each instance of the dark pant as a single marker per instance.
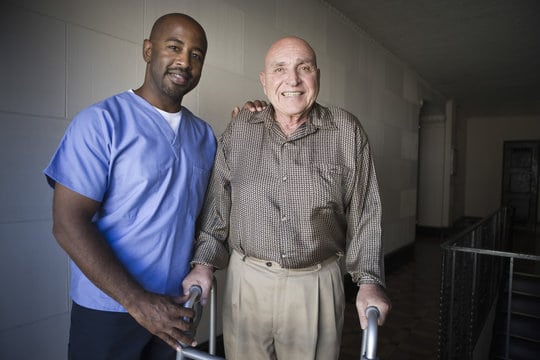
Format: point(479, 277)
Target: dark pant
point(101, 335)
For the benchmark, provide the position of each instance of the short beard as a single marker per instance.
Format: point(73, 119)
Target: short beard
point(175, 96)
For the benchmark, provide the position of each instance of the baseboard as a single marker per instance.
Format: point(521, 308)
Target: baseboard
point(432, 231)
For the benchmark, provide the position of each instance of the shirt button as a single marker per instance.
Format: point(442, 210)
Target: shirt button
point(284, 178)
point(283, 218)
point(269, 264)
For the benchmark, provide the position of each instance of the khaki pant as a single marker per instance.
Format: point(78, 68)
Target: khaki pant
point(275, 313)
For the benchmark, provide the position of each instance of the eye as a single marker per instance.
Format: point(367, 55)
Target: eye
point(278, 70)
point(197, 56)
point(174, 48)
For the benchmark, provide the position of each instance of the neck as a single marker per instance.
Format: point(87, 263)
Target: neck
point(289, 125)
point(164, 103)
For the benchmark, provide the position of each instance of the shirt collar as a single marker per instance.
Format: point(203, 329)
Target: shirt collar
point(319, 118)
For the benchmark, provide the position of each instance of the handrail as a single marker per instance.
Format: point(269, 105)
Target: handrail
point(463, 233)
point(473, 275)
point(496, 253)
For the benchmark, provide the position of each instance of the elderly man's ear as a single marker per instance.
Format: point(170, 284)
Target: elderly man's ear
point(253, 106)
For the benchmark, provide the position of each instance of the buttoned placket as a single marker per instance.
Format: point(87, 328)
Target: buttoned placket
point(284, 232)
point(286, 157)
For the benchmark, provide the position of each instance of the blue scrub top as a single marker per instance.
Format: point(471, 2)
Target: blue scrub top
point(150, 182)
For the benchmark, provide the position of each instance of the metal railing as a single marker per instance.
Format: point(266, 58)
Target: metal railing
point(475, 268)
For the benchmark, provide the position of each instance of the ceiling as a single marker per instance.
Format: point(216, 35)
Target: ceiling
point(485, 54)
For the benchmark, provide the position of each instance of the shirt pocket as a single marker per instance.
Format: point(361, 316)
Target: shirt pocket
point(328, 186)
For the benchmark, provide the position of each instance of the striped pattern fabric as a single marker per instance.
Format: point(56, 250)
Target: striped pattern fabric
point(294, 200)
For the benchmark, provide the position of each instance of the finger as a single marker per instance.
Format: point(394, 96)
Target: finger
point(180, 299)
point(185, 313)
point(235, 112)
point(204, 294)
point(182, 338)
point(383, 313)
point(249, 105)
point(204, 299)
point(170, 341)
point(258, 105)
point(206, 289)
point(363, 322)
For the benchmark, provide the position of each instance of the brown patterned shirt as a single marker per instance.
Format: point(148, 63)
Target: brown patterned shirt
point(294, 200)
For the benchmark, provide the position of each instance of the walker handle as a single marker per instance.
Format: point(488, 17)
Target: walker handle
point(193, 303)
point(195, 293)
point(369, 337)
point(186, 352)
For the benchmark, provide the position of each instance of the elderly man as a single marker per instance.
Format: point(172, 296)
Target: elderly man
point(293, 190)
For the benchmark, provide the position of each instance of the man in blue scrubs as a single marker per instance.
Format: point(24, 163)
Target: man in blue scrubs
point(129, 179)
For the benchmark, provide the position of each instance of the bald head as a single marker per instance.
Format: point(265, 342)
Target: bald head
point(291, 45)
point(164, 22)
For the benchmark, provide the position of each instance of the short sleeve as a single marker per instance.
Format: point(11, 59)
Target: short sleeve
point(81, 162)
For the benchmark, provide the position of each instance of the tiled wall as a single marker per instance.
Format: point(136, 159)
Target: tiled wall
point(62, 55)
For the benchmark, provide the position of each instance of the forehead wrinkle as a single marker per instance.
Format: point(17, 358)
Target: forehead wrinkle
point(298, 61)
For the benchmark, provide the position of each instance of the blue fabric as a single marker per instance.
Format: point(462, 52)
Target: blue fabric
point(151, 184)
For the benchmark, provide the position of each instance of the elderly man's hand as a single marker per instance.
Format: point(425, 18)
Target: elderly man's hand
point(202, 276)
point(255, 105)
point(372, 295)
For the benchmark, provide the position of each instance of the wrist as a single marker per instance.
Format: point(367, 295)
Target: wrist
point(203, 267)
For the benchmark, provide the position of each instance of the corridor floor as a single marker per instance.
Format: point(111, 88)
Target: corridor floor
point(410, 331)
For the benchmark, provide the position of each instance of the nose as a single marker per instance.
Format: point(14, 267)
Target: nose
point(183, 60)
point(293, 78)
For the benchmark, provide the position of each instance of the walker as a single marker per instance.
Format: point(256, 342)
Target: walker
point(369, 336)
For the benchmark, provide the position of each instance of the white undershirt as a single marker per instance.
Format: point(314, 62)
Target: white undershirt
point(173, 119)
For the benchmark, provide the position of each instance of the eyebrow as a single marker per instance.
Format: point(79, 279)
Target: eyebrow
point(299, 62)
point(176, 40)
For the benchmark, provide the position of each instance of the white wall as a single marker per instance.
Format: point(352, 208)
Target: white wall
point(62, 55)
point(431, 171)
point(484, 160)
point(436, 167)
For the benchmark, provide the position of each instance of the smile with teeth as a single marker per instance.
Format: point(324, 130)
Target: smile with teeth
point(178, 78)
point(291, 93)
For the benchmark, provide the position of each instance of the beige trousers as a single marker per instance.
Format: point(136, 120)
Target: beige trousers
point(275, 313)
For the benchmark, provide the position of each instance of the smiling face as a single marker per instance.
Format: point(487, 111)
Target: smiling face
point(290, 78)
point(174, 55)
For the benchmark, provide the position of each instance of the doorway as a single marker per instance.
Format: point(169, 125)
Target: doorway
point(520, 182)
